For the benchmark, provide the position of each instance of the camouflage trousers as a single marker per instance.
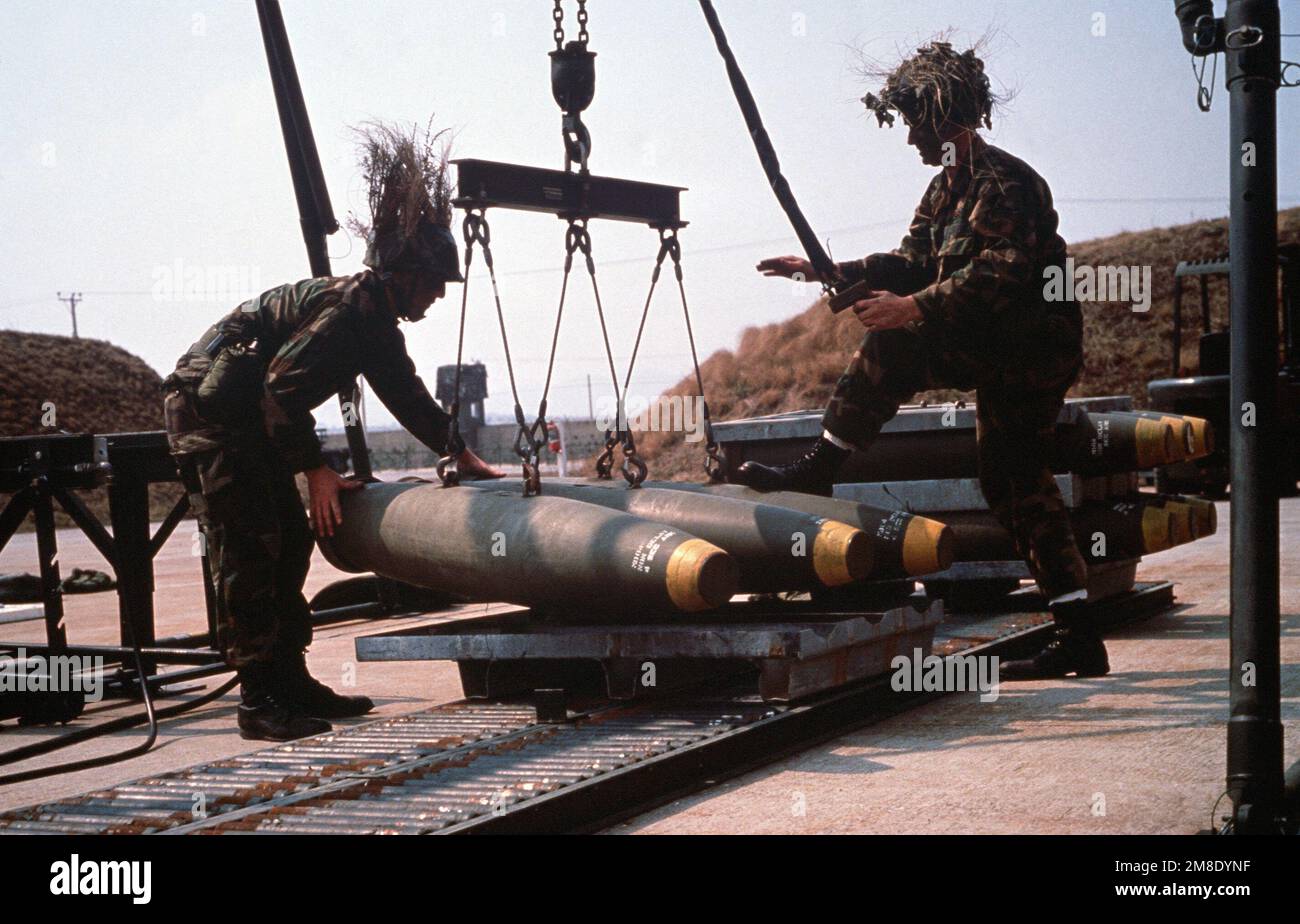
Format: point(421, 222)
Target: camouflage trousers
point(1014, 433)
point(259, 546)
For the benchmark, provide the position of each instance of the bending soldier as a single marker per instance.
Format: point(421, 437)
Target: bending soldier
point(238, 411)
point(960, 304)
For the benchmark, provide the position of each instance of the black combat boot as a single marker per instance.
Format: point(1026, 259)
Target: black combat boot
point(811, 473)
point(264, 715)
point(309, 695)
point(1075, 649)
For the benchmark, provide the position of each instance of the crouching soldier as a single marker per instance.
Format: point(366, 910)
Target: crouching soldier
point(238, 412)
point(960, 304)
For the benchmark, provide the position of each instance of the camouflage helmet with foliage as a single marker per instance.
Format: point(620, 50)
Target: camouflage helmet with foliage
point(936, 85)
point(408, 191)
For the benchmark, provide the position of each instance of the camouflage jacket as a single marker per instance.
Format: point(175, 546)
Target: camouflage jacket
point(974, 258)
point(283, 354)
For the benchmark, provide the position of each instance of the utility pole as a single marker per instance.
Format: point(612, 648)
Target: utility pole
point(71, 298)
point(591, 408)
point(1255, 763)
point(315, 213)
point(1248, 35)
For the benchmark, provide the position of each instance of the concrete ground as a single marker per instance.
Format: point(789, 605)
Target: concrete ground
point(1139, 751)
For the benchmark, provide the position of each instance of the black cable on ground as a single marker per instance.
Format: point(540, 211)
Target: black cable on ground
point(151, 716)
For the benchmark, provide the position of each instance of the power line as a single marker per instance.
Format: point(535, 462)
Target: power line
point(1142, 200)
point(724, 248)
point(893, 222)
point(25, 302)
point(120, 291)
point(40, 298)
point(721, 248)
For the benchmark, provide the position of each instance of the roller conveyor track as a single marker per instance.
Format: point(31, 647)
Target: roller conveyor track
point(266, 777)
point(414, 774)
point(487, 781)
point(492, 767)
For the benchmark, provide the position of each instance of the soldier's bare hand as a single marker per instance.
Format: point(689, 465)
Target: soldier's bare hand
point(788, 267)
point(467, 463)
point(886, 311)
point(323, 488)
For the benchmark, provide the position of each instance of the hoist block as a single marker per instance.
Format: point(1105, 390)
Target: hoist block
point(489, 184)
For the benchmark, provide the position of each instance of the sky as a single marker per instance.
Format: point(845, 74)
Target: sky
point(141, 151)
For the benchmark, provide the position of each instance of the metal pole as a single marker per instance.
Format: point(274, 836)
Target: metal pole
point(562, 457)
point(47, 551)
point(1254, 771)
point(72, 299)
point(817, 255)
point(1178, 325)
point(314, 210)
point(128, 509)
point(1291, 309)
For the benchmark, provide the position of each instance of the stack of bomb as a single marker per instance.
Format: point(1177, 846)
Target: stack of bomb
point(661, 548)
point(1126, 525)
point(925, 461)
point(1115, 529)
point(675, 547)
point(1100, 454)
point(1103, 443)
point(938, 443)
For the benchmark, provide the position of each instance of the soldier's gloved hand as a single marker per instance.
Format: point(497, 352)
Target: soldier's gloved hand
point(788, 267)
point(886, 311)
point(467, 463)
point(323, 487)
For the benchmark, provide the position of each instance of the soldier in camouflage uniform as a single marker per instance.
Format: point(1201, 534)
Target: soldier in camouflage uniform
point(238, 412)
point(960, 304)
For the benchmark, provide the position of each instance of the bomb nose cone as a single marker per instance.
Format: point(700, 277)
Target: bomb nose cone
point(1207, 517)
point(1157, 529)
point(841, 554)
point(928, 546)
point(1202, 437)
point(1183, 527)
point(700, 576)
point(1154, 442)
